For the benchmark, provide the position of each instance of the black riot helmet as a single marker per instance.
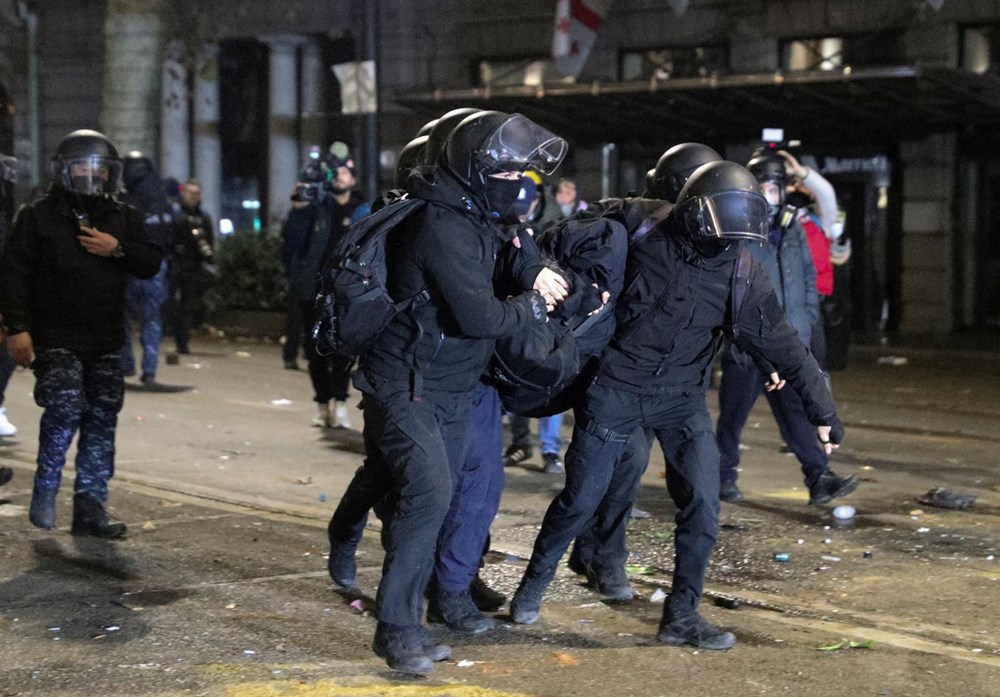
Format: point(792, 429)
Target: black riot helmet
point(425, 130)
point(672, 170)
point(492, 142)
point(722, 201)
point(412, 155)
point(87, 163)
point(769, 170)
point(135, 167)
point(442, 128)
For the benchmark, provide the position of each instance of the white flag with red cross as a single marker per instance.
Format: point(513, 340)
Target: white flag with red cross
point(577, 23)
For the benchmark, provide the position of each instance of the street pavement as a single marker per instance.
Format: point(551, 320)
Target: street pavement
point(221, 588)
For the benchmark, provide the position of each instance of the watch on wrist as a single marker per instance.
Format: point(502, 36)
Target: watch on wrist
point(118, 252)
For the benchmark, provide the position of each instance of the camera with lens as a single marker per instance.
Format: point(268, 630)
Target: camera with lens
point(314, 179)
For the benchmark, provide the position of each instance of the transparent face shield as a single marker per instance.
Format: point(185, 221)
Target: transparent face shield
point(520, 143)
point(91, 175)
point(727, 215)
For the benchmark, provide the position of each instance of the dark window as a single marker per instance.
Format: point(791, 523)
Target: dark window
point(835, 52)
point(676, 62)
point(518, 73)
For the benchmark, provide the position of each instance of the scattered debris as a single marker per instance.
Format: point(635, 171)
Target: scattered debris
point(939, 497)
point(827, 557)
point(641, 570)
point(465, 663)
point(281, 402)
point(358, 605)
point(893, 360)
point(249, 652)
point(243, 354)
point(306, 480)
point(844, 512)
point(730, 603)
point(564, 658)
point(659, 596)
point(868, 555)
point(149, 525)
point(323, 497)
point(782, 557)
point(923, 529)
point(846, 644)
point(231, 606)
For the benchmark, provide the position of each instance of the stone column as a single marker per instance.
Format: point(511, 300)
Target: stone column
point(207, 148)
point(175, 145)
point(313, 99)
point(283, 151)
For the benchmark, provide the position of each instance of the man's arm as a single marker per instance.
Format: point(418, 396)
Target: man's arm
point(16, 269)
point(764, 331)
point(140, 256)
point(451, 260)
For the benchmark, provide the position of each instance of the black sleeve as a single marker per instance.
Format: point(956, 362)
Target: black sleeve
point(764, 333)
point(142, 257)
point(594, 248)
point(448, 257)
point(16, 269)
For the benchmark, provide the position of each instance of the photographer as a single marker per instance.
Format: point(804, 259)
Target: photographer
point(193, 256)
point(332, 206)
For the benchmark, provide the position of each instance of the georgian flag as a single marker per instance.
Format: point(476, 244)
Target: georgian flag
point(577, 22)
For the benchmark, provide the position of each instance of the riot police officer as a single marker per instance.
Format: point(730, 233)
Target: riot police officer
point(62, 295)
point(418, 380)
point(686, 281)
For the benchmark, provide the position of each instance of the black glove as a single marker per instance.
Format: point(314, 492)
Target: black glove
point(836, 429)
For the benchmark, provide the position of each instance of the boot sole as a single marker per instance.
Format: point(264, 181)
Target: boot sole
point(524, 616)
point(726, 642)
point(848, 488)
point(421, 669)
point(484, 626)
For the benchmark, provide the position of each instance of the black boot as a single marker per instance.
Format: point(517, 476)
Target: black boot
point(828, 486)
point(693, 629)
point(526, 605)
point(402, 648)
point(42, 513)
point(342, 565)
point(610, 582)
point(434, 651)
point(730, 493)
point(485, 598)
point(90, 518)
point(579, 558)
point(458, 612)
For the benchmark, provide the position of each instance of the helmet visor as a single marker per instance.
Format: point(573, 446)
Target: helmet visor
point(91, 175)
point(727, 215)
point(520, 143)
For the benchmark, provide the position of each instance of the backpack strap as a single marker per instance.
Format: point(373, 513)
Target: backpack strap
point(650, 222)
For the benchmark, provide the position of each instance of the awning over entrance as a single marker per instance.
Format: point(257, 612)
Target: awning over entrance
point(875, 105)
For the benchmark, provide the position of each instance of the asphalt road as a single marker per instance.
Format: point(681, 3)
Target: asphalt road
point(221, 589)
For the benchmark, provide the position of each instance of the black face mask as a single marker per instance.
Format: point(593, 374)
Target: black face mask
point(501, 193)
point(714, 248)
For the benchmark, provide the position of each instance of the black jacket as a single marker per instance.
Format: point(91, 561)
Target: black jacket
point(63, 295)
point(671, 315)
point(144, 189)
point(327, 222)
point(448, 248)
point(188, 253)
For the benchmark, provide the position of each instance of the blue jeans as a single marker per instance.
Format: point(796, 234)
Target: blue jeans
point(549, 438)
point(144, 303)
point(548, 433)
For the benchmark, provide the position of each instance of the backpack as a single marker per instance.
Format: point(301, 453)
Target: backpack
point(353, 304)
